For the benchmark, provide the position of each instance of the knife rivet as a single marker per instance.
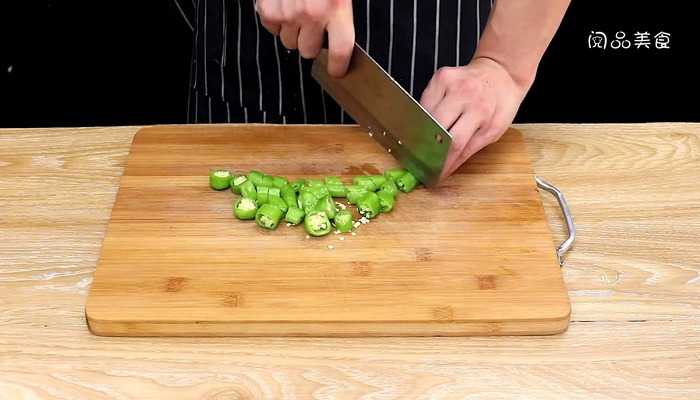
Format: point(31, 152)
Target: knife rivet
point(399, 142)
point(370, 133)
point(384, 133)
point(389, 150)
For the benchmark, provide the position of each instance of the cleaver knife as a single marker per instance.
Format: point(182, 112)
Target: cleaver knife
point(389, 113)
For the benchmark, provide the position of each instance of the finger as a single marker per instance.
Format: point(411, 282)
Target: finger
point(462, 132)
point(448, 111)
point(271, 27)
point(310, 40)
point(289, 35)
point(432, 95)
point(477, 142)
point(288, 8)
point(341, 41)
point(270, 14)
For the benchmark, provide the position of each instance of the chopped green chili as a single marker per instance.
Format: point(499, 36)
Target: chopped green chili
point(219, 179)
point(394, 173)
point(255, 177)
point(245, 208)
point(263, 194)
point(314, 182)
point(298, 184)
point(248, 190)
point(336, 190)
point(236, 183)
point(269, 199)
point(277, 201)
point(279, 182)
point(368, 205)
point(319, 191)
point(355, 193)
point(267, 180)
point(274, 192)
point(390, 187)
point(317, 223)
point(343, 221)
point(327, 205)
point(407, 182)
point(332, 180)
point(294, 215)
point(268, 216)
point(307, 201)
point(366, 182)
point(378, 180)
point(386, 201)
point(289, 195)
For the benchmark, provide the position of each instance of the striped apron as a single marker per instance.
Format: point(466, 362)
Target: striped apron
point(242, 73)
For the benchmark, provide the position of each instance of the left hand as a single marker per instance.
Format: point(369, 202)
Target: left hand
point(475, 103)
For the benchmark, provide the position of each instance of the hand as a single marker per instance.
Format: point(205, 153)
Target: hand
point(475, 103)
point(302, 24)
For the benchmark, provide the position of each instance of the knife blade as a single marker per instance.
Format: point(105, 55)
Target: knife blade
point(389, 113)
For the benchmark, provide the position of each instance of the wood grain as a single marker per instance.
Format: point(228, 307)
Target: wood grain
point(472, 257)
point(633, 278)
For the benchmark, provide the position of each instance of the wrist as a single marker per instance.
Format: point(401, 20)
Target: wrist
point(522, 76)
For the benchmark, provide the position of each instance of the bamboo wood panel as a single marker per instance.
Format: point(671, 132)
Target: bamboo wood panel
point(474, 256)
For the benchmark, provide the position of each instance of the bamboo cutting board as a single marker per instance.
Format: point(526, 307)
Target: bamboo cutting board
point(473, 257)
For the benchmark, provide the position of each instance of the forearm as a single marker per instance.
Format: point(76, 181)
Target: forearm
point(518, 33)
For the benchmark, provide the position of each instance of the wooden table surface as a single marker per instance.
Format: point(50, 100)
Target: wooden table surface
point(633, 278)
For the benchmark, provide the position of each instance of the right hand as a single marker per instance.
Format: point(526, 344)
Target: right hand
point(301, 24)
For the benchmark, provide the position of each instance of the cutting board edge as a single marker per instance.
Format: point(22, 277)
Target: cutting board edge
point(327, 329)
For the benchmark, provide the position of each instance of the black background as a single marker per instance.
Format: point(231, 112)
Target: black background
point(81, 63)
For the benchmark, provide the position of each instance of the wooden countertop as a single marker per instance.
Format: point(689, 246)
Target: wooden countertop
point(633, 277)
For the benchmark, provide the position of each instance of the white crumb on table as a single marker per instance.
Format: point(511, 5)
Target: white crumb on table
point(330, 247)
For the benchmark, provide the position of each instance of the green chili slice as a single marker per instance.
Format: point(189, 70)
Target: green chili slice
point(386, 201)
point(390, 187)
point(332, 180)
point(407, 182)
point(248, 190)
point(343, 221)
point(327, 205)
point(245, 208)
point(274, 192)
point(263, 194)
point(368, 205)
point(394, 173)
point(267, 180)
point(255, 177)
point(355, 193)
point(277, 201)
point(236, 183)
point(319, 191)
point(279, 182)
point(366, 182)
point(317, 223)
point(378, 180)
point(298, 184)
point(307, 201)
point(294, 215)
point(314, 182)
point(289, 195)
point(219, 179)
point(268, 216)
point(336, 190)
